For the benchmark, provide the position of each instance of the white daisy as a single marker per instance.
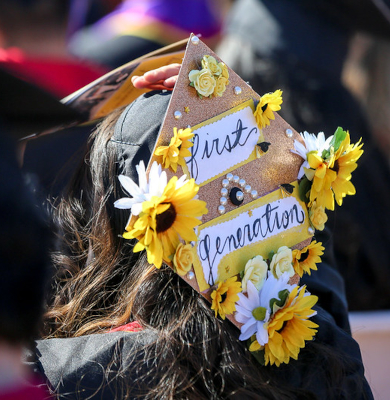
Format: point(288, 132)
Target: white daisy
point(249, 311)
point(254, 311)
point(144, 191)
point(312, 143)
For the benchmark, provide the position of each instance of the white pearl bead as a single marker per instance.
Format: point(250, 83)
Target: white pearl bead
point(224, 192)
point(289, 133)
point(221, 210)
point(223, 201)
point(229, 176)
point(190, 275)
point(240, 195)
point(225, 182)
point(195, 40)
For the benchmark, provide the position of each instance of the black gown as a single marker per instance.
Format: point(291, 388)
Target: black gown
point(109, 365)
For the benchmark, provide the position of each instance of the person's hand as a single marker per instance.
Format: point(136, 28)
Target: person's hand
point(163, 78)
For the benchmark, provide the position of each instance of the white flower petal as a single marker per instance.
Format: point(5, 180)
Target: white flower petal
point(143, 183)
point(253, 293)
point(245, 302)
point(243, 311)
point(248, 330)
point(162, 183)
point(136, 209)
point(181, 181)
point(261, 334)
point(129, 185)
point(124, 203)
point(155, 172)
point(241, 318)
point(300, 149)
point(301, 172)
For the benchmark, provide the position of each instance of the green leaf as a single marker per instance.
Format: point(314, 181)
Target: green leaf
point(192, 84)
point(276, 304)
point(259, 354)
point(242, 273)
point(304, 189)
point(336, 141)
point(270, 255)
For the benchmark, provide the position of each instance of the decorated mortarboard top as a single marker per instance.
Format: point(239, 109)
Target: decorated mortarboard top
point(231, 199)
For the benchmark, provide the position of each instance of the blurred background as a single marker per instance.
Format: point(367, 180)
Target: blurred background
point(332, 61)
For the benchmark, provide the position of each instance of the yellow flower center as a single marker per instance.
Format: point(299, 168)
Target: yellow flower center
point(259, 313)
point(166, 219)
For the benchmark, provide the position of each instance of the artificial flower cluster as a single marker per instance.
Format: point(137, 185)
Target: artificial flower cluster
point(274, 314)
point(211, 80)
point(275, 319)
point(326, 172)
point(167, 211)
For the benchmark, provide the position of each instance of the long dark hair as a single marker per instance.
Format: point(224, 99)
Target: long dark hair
point(101, 284)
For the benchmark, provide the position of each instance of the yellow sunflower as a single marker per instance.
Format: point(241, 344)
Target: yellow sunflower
point(166, 219)
point(177, 150)
point(269, 103)
point(322, 177)
point(224, 297)
point(289, 328)
point(306, 259)
point(344, 164)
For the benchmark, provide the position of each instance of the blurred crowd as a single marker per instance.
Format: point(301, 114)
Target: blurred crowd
point(330, 58)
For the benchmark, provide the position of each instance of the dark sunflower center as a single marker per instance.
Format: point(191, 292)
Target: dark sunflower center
point(166, 219)
point(264, 107)
point(304, 256)
point(223, 297)
point(336, 166)
point(283, 326)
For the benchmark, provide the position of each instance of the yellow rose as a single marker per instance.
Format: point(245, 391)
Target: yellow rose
point(203, 81)
point(256, 272)
point(318, 216)
point(183, 258)
point(220, 87)
point(210, 63)
point(282, 262)
point(225, 72)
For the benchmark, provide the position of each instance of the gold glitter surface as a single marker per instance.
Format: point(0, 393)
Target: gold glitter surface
point(184, 95)
point(265, 174)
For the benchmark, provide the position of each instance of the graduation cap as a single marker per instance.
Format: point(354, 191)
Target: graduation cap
point(229, 226)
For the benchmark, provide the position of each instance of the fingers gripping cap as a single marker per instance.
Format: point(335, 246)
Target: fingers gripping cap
point(137, 129)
